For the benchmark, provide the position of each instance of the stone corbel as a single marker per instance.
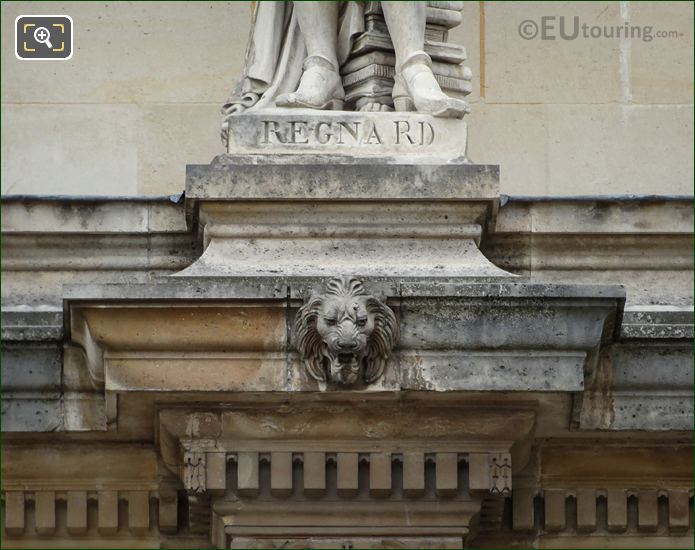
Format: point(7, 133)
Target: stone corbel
point(500, 473)
point(194, 475)
point(84, 399)
point(87, 405)
point(491, 472)
point(93, 352)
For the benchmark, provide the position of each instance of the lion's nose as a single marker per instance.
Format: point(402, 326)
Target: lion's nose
point(347, 345)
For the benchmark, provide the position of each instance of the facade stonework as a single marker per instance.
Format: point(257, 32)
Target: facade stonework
point(500, 399)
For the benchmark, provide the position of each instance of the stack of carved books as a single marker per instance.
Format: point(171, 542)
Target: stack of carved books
point(368, 73)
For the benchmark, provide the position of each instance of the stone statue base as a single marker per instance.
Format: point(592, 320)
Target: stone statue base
point(308, 131)
point(328, 215)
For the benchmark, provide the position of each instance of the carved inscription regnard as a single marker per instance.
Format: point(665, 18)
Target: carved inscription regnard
point(366, 132)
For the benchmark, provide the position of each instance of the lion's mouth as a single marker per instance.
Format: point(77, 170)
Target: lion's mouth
point(344, 368)
point(347, 358)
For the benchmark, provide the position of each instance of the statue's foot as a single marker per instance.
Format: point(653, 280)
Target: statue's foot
point(416, 89)
point(319, 88)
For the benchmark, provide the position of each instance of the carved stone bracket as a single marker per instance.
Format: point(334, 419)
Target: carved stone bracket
point(500, 474)
point(194, 464)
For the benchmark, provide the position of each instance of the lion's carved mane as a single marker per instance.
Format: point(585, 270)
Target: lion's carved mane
point(345, 334)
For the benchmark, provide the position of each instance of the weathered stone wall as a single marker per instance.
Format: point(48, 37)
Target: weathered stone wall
point(141, 97)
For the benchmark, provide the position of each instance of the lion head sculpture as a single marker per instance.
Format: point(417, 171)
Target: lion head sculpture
point(345, 335)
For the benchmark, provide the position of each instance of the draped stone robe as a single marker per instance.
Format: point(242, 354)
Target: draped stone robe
point(275, 53)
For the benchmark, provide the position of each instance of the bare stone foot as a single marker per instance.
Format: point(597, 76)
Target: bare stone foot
point(319, 88)
point(416, 89)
